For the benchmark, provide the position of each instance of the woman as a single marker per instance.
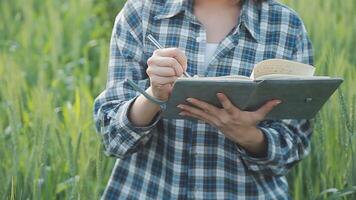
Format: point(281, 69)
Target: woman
point(224, 154)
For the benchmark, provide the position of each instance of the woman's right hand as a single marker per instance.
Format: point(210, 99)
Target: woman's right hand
point(164, 67)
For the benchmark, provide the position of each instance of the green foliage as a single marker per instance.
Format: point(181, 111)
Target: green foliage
point(53, 62)
point(330, 170)
point(53, 58)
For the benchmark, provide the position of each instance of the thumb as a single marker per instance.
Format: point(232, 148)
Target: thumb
point(266, 108)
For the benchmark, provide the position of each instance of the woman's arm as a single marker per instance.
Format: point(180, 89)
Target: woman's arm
point(142, 105)
point(237, 125)
point(123, 117)
point(164, 67)
point(288, 141)
point(118, 134)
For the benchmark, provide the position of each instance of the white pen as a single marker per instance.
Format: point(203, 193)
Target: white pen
point(159, 46)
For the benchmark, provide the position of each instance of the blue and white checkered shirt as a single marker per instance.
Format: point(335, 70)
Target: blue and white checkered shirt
point(190, 159)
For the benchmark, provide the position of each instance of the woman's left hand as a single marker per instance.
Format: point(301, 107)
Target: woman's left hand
point(237, 125)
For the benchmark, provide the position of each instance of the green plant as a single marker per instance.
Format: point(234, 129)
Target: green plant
point(53, 62)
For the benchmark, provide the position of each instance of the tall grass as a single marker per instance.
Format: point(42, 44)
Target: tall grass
point(330, 170)
point(53, 58)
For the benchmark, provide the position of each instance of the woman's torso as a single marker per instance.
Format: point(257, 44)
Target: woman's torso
point(189, 159)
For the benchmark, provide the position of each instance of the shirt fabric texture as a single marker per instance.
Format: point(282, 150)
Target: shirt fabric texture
point(190, 159)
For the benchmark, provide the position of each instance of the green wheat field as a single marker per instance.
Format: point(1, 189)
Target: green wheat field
point(53, 63)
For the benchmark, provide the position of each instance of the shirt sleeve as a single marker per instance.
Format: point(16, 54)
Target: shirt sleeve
point(288, 141)
point(119, 135)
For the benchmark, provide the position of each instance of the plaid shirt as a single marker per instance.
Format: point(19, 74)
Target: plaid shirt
point(190, 159)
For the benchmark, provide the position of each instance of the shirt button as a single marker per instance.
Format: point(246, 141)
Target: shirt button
point(200, 39)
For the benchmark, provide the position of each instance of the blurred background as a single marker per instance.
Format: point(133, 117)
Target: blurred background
point(53, 63)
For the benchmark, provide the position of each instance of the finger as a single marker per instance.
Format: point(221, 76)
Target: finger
point(199, 113)
point(266, 108)
point(226, 103)
point(203, 105)
point(166, 62)
point(174, 53)
point(188, 114)
point(160, 80)
point(160, 71)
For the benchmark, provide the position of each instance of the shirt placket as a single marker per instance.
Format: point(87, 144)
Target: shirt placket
point(201, 41)
point(226, 45)
point(192, 187)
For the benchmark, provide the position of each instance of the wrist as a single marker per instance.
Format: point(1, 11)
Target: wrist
point(247, 134)
point(158, 93)
point(148, 102)
point(143, 111)
point(253, 140)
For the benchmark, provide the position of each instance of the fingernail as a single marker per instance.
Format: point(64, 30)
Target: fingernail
point(181, 113)
point(189, 100)
point(278, 102)
point(180, 106)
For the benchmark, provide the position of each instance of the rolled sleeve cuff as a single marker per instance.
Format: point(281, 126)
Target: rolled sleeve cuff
point(123, 117)
point(130, 134)
point(259, 163)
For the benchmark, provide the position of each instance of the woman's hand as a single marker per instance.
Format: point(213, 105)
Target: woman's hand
point(164, 67)
point(237, 125)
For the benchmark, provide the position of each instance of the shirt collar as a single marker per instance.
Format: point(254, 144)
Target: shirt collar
point(249, 17)
point(171, 8)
